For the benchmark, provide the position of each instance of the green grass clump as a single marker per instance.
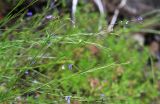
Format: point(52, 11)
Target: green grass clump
point(43, 63)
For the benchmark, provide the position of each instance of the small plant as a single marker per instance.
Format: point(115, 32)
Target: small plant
point(102, 67)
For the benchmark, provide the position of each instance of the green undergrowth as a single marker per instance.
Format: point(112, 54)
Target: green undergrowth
point(43, 61)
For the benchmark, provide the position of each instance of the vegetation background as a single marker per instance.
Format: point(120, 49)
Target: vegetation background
point(45, 60)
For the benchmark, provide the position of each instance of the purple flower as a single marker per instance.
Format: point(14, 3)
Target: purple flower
point(139, 18)
point(26, 72)
point(102, 95)
point(49, 17)
point(70, 66)
point(29, 13)
point(68, 99)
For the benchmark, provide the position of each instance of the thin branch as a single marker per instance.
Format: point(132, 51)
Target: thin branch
point(100, 7)
point(115, 16)
point(102, 12)
point(74, 6)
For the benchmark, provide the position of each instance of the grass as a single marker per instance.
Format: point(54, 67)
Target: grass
point(104, 67)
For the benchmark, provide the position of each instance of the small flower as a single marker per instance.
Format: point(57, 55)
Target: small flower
point(127, 22)
point(33, 62)
point(49, 17)
point(63, 67)
point(26, 72)
point(68, 99)
point(18, 98)
point(70, 66)
point(102, 96)
point(35, 81)
point(29, 13)
point(139, 18)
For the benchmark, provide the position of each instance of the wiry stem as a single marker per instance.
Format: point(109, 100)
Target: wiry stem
point(74, 6)
point(101, 10)
point(115, 16)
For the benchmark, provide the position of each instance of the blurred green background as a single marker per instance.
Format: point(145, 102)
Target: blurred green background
point(45, 60)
